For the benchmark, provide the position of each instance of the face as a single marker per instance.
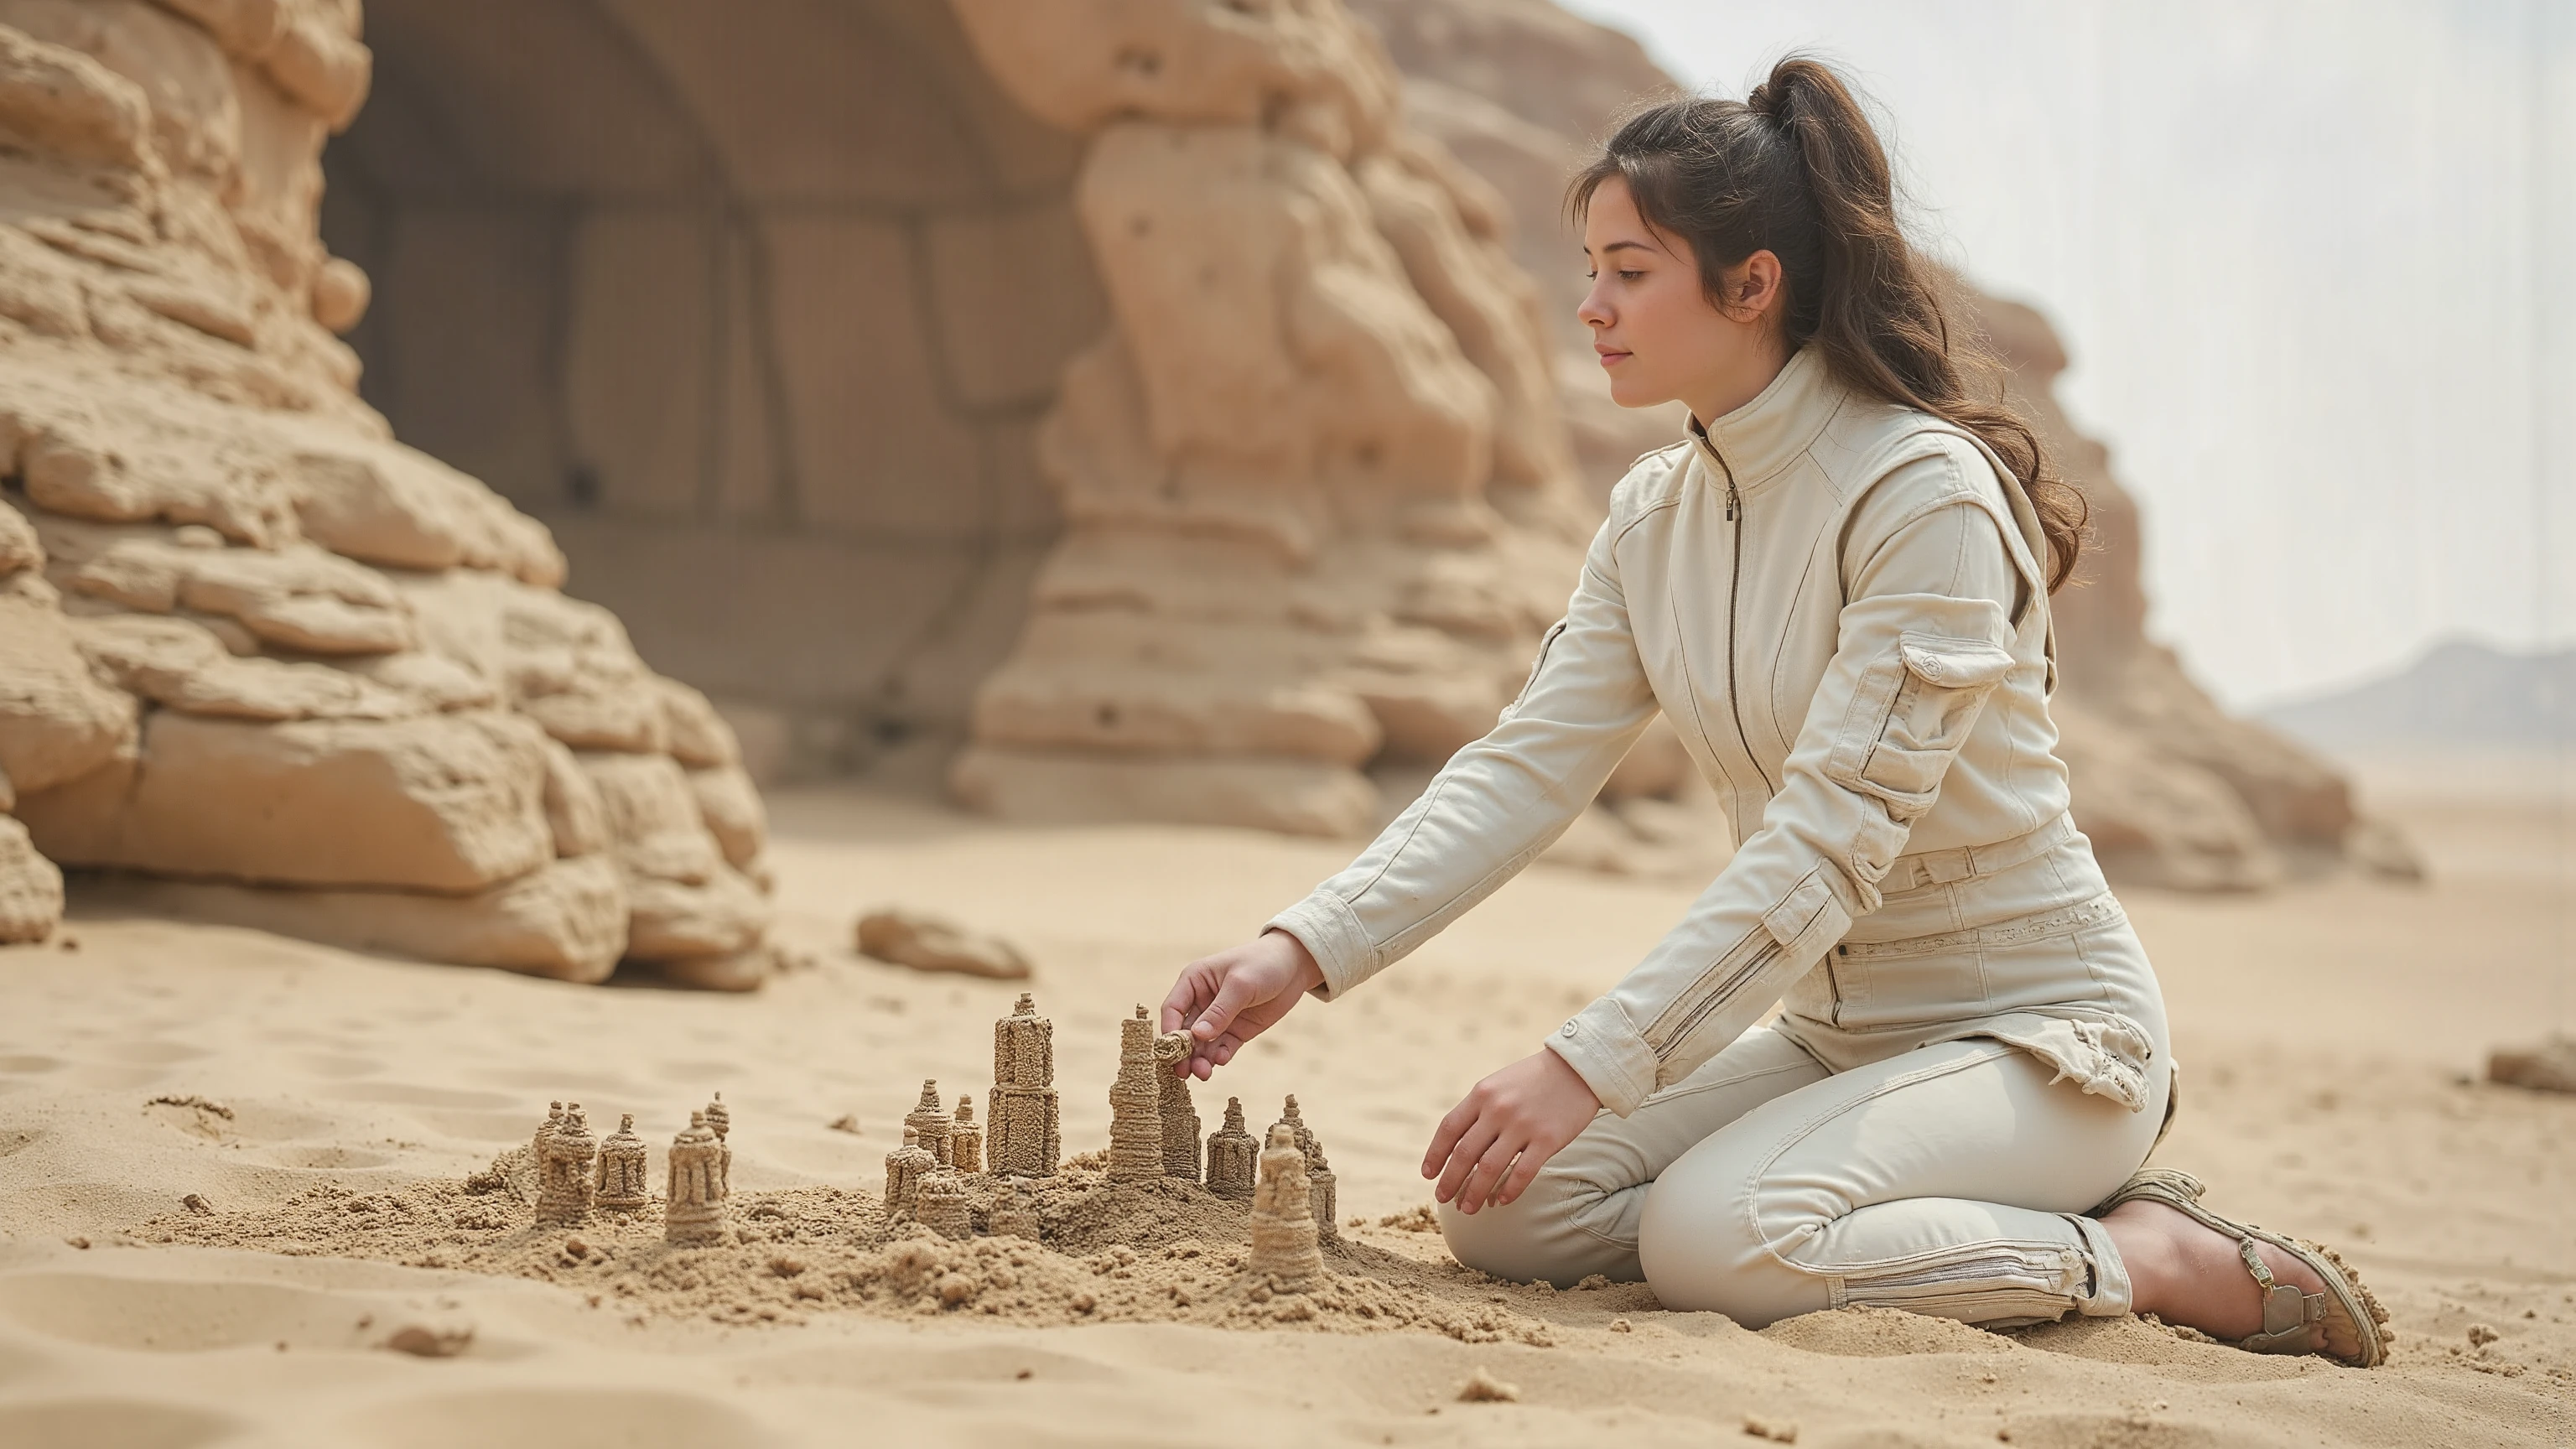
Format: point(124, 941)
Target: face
point(1657, 333)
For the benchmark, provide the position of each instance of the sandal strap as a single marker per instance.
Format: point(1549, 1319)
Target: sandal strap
point(2291, 1319)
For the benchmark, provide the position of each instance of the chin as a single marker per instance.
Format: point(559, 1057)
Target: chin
point(1629, 393)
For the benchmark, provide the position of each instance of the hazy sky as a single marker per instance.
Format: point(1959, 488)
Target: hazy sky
point(2311, 258)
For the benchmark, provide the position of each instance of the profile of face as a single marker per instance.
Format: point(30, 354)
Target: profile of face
point(1658, 333)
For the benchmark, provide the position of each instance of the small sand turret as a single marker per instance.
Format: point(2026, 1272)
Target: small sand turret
point(1319, 1172)
point(537, 1144)
point(1283, 1219)
point(965, 1138)
point(1135, 1106)
point(621, 1186)
point(720, 1122)
point(940, 1204)
point(695, 1212)
point(1020, 1115)
point(1015, 1212)
point(565, 1156)
point(905, 1167)
point(929, 1122)
point(1180, 1119)
point(1233, 1158)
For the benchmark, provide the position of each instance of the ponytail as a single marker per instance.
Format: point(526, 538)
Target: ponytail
point(1795, 168)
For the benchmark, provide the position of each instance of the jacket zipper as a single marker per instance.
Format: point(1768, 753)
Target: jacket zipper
point(1725, 989)
point(1734, 582)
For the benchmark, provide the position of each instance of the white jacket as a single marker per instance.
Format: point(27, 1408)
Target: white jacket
point(1841, 606)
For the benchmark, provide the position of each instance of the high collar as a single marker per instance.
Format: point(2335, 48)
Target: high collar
point(1757, 441)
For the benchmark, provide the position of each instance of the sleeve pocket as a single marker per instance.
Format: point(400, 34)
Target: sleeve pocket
point(1931, 688)
point(1799, 911)
point(1544, 645)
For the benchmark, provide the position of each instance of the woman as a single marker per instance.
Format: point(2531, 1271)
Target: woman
point(1837, 589)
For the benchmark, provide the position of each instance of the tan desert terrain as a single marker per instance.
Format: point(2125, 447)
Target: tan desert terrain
point(2329, 1032)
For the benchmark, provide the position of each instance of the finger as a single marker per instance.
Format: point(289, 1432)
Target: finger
point(1524, 1172)
point(1478, 1141)
point(1488, 1174)
point(1231, 998)
point(1186, 995)
point(1444, 1139)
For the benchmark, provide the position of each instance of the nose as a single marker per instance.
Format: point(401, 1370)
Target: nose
point(1593, 312)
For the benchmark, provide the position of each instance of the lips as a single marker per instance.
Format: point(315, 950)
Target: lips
point(1609, 357)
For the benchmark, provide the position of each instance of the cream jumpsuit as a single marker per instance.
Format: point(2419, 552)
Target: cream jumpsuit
point(1840, 606)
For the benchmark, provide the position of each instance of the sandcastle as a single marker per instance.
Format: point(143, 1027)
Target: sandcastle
point(621, 1185)
point(1284, 1236)
point(1136, 1106)
point(565, 1153)
point(1319, 1172)
point(1020, 1112)
point(1233, 1158)
point(695, 1213)
point(905, 1167)
point(940, 1204)
point(1180, 1119)
point(928, 1122)
point(1015, 1215)
point(965, 1138)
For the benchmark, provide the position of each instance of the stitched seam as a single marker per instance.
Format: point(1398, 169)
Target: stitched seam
point(1753, 1200)
point(2101, 910)
point(1660, 505)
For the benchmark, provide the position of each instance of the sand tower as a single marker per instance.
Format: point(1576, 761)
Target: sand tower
point(720, 1122)
point(940, 1204)
point(965, 1138)
point(695, 1214)
point(929, 1122)
point(1233, 1158)
point(1015, 1212)
point(564, 1169)
point(1135, 1105)
point(545, 1129)
point(621, 1185)
point(1180, 1119)
point(1020, 1114)
point(1319, 1172)
point(1284, 1246)
point(906, 1166)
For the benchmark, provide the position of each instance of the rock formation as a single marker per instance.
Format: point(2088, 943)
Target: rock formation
point(1284, 1248)
point(1180, 1120)
point(621, 1186)
point(2172, 790)
point(1135, 1105)
point(1021, 1111)
point(965, 1138)
point(1233, 1158)
point(1318, 499)
point(248, 639)
point(693, 1210)
point(565, 1161)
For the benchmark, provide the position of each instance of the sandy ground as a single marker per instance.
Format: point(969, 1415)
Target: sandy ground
point(2330, 1034)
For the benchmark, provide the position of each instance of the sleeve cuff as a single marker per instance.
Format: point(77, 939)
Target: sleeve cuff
point(1609, 1054)
point(1331, 933)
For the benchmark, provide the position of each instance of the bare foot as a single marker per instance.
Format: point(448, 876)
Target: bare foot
point(2185, 1273)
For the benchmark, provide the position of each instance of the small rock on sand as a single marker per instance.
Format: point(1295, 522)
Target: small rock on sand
point(422, 1340)
point(2548, 1067)
point(927, 943)
point(1483, 1388)
point(1778, 1431)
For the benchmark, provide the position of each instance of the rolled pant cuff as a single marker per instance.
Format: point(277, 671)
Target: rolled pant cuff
point(2111, 1295)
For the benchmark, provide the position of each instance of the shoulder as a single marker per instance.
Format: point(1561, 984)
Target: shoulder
point(1654, 478)
point(1893, 464)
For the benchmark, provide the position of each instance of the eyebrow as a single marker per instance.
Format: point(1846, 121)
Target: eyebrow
point(1625, 246)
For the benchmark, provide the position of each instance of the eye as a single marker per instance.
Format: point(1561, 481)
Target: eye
point(1630, 276)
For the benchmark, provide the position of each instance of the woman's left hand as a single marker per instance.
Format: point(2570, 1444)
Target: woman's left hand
point(1491, 1146)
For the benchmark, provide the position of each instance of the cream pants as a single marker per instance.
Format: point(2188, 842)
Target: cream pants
point(1948, 1178)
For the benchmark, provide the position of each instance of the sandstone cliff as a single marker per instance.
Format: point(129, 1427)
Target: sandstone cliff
point(248, 642)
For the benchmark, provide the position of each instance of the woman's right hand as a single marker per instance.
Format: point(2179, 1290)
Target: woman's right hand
point(1235, 995)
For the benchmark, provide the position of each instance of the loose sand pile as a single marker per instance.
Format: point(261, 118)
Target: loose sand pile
point(328, 1109)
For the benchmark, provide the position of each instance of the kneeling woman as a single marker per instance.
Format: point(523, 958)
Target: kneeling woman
point(1837, 590)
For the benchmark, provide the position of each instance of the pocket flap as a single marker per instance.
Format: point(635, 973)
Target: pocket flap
point(1790, 919)
point(1954, 663)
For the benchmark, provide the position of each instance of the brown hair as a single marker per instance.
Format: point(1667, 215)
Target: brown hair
point(1797, 169)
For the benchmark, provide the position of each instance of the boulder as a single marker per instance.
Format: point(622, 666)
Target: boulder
point(19, 548)
point(450, 802)
point(652, 818)
point(928, 943)
point(672, 921)
point(730, 807)
point(566, 920)
point(181, 665)
point(1292, 797)
point(31, 888)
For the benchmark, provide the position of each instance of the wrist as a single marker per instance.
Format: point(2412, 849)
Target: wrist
point(1309, 977)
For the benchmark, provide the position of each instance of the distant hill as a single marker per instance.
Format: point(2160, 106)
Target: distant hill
point(2460, 693)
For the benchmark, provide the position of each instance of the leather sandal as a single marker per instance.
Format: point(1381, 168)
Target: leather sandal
point(2293, 1322)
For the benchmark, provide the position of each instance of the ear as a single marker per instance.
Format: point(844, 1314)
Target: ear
point(1753, 287)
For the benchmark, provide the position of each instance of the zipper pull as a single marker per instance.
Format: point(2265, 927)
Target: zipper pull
point(1730, 500)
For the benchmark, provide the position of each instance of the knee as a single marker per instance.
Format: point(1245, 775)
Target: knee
point(1711, 1241)
point(1562, 1230)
